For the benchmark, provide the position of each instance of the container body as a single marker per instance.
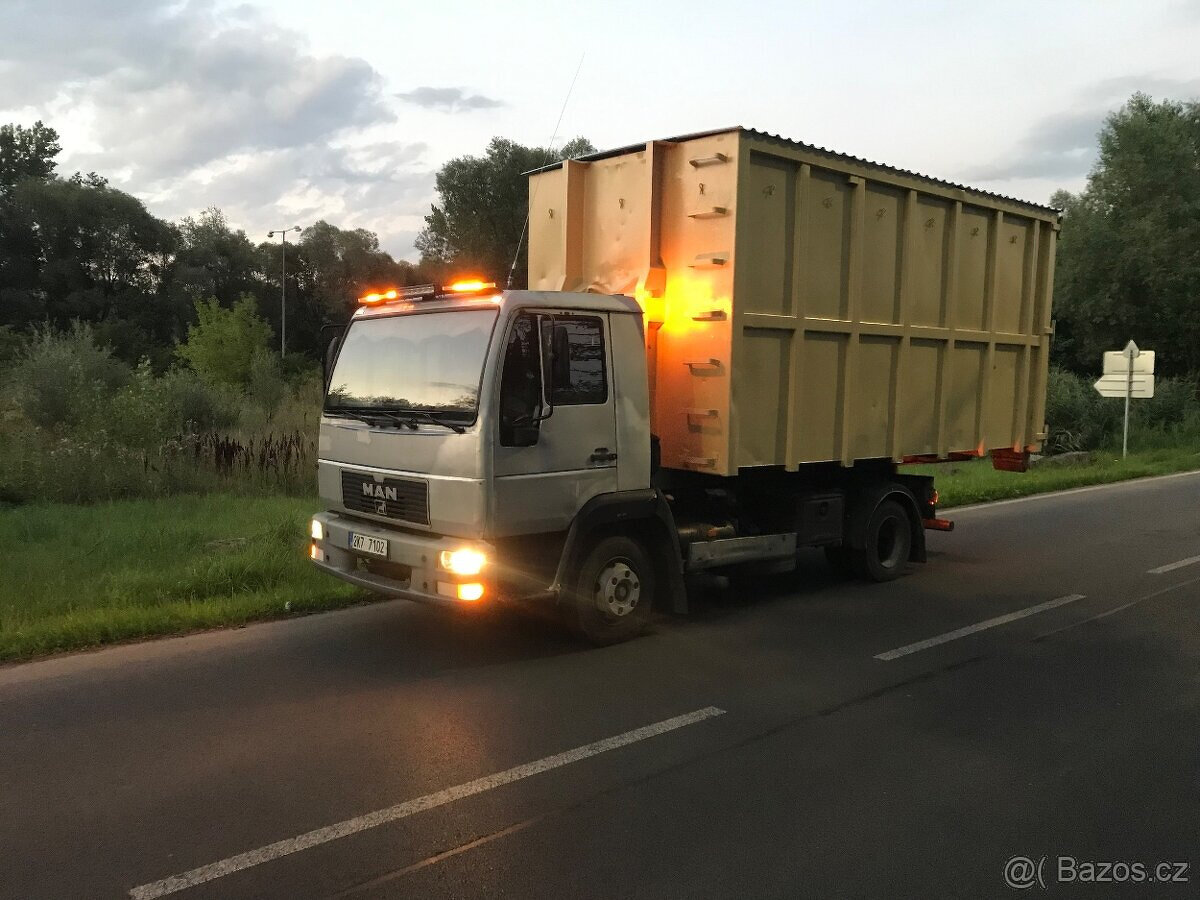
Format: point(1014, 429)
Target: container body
point(805, 307)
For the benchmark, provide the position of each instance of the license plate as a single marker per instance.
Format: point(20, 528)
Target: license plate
point(364, 543)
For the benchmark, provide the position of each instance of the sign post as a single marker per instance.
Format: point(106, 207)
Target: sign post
point(1128, 373)
point(1131, 353)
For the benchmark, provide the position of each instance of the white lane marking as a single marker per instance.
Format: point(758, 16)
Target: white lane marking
point(979, 626)
point(1171, 567)
point(1051, 495)
point(409, 807)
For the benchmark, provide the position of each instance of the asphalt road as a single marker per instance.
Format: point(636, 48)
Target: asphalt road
point(761, 747)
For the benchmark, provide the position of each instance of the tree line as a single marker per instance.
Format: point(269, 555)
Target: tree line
point(76, 248)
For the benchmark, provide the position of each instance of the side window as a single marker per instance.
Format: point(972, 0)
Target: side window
point(583, 377)
point(520, 378)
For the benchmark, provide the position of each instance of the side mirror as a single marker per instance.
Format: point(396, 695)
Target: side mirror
point(337, 332)
point(525, 435)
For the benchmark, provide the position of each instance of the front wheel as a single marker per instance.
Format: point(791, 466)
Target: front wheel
point(612, 599)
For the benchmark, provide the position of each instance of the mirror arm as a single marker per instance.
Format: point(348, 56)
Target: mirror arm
point(547, 375)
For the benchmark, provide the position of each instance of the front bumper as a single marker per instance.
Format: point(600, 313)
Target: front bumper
point(411, 570)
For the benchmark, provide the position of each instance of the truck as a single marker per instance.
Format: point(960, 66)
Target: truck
point(730, 346)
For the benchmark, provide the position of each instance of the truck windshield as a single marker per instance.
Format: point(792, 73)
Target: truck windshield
point(421, 361)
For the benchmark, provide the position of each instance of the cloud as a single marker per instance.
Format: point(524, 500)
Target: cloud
point(448, 99)
point(1064, 145)
point(190, 104)
point(381, 186)
point(1059, 146)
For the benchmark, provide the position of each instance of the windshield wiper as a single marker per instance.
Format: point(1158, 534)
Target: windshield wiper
point(427, 416)
point(372, 417)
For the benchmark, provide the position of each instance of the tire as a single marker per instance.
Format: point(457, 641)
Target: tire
point(613, 597)
point(884, 555)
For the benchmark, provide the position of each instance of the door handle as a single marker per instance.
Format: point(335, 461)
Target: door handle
point(601, 455)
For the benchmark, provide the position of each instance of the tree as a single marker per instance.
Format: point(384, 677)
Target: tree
point(484, 201)
point(1129, 258)
point(94, 253)
point(26, 153)
point(223, 343)
point(213, 260)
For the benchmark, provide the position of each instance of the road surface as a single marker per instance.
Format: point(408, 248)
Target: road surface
point(1034, 691)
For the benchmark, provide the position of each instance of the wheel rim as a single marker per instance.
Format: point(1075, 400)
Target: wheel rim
point(889, 547)
point(618, 589)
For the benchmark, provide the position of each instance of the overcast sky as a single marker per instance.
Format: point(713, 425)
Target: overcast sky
point(283, 112)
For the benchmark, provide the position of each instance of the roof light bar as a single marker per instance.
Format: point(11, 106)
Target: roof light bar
point(428, 292)
point(375, 298)
point(472, 286)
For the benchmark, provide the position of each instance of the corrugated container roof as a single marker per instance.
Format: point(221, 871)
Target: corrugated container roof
point(812, 148)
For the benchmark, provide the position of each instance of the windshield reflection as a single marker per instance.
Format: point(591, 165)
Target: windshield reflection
point(421, 361)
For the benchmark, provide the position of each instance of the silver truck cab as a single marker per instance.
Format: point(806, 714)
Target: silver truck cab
point(465, 430)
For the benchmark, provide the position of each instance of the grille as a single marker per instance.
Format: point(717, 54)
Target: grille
point(396, 498)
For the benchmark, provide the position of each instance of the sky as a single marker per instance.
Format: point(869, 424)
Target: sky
point(282, 112)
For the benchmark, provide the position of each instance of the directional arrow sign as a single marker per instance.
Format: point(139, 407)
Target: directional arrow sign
point(1117, 362)
point(1139, 385)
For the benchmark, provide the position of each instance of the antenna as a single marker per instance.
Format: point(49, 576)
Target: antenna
point(553, 138)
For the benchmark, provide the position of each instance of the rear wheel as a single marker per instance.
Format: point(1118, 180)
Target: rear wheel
point(613, 597)
point(885, 551)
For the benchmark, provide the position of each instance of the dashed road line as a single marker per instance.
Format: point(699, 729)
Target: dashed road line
point(329, 833)
point(977, 627)
point(1171, 567)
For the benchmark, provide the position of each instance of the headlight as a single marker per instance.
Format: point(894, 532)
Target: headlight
point(318, 531)
point(463, 562)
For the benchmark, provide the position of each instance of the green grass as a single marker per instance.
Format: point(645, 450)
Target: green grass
point(80, 576)
point(978, 482)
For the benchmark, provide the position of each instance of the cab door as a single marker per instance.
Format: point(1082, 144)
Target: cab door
point(556, 376)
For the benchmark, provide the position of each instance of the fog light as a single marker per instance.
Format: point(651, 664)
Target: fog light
point(463, 562)
point(314, 551)
point(318, 531)
point(470, 591)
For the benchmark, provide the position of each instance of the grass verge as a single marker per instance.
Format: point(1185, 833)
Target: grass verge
point(80, 576)
point(977, 481)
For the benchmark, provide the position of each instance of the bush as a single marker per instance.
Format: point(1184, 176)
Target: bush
point(151, 410)
point(11, 344)
point(1080, 419)
point(222, 345)
point(265, 384)
point(61, 377)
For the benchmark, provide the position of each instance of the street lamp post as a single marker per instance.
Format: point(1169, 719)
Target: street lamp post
point(282, 232)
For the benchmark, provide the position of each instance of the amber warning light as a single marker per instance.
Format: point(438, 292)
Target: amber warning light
point(473, 286)
point(428, 292)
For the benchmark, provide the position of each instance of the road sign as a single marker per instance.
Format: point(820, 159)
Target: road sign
point(1128, 373)
point(1139, 387)
point(1116, 362)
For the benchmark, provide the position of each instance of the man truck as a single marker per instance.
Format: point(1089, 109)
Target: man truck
point(730, 345)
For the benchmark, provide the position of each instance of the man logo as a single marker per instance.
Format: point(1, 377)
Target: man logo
point(381, 507)
point(379, 492)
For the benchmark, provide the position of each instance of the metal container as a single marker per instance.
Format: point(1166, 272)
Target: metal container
point(804, 306)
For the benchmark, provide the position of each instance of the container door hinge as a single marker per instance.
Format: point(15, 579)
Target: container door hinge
point(708, 260)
